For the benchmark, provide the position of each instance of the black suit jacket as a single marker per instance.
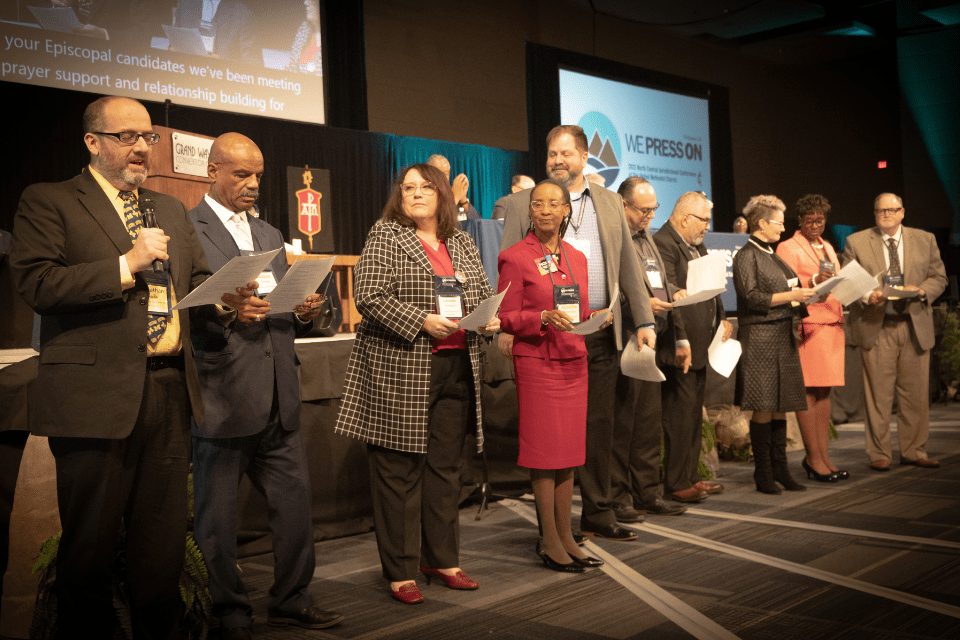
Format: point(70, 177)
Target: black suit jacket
point(67, 243)
point(240, 365)
point(700, 321)
point(669, 323)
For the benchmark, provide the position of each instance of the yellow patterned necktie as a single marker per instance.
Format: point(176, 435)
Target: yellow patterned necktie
point(133, 221)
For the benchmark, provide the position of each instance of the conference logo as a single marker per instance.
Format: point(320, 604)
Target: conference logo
point(604, 145)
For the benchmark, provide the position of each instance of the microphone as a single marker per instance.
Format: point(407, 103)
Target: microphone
point(149, 212)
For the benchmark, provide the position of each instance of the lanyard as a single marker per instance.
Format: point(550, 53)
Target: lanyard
point(583, 205)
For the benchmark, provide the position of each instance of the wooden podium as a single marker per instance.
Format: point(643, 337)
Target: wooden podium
point(190, 191)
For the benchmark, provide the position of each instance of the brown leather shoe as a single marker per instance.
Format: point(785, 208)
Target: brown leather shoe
point(921, 462)
point(880, 465)
point(708, 487)
point(688, 495)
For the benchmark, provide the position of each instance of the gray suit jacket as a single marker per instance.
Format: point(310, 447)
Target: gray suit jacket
point(922, 267)
point(240, 365)
point(65, 262)
point(619, 256)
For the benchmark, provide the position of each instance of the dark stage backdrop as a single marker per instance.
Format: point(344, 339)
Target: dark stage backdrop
point(45, 144)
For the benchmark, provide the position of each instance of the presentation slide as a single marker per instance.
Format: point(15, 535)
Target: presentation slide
point(632, 130)
point(257, 57)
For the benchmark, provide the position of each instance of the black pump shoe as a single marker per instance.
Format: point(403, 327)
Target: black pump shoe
point(550, 563)
point(820, 477)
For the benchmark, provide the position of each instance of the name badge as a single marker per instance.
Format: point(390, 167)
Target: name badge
point(826, 265)
point(266, 282)
point(793, 283)
point(158, 284)
point(449, 294)
point(653, 274)
point(894, 281)
point(583, 246)
point(566, 298)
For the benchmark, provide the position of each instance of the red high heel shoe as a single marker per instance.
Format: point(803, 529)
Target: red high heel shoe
point(408, 594)
point(456, 581)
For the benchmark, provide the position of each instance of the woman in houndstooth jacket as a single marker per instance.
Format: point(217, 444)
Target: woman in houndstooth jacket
point(413, 381)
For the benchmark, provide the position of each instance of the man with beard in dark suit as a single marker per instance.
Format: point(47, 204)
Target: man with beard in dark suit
point(251, 399)
point(682, 393)
point(116, 379)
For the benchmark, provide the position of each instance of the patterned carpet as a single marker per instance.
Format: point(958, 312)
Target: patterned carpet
point(876, 557)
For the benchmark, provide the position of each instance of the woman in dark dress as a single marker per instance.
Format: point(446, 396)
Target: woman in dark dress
point(551, 366)
point(769, 378)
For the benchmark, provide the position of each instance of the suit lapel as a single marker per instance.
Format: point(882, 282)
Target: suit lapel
point(409, 242)
point(95, 201)
point(216, 233)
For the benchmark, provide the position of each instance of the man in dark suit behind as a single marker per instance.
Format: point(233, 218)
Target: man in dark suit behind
point(635, 466)
point(598, 229)
point(114, 376)
point(251, 399)
point(682, 393)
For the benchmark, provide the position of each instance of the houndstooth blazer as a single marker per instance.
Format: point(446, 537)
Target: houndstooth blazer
point(388, 377)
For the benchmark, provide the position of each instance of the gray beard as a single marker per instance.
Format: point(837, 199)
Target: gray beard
point(126, 176)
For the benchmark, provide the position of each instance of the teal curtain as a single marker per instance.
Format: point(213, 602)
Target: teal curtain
point(489, 170)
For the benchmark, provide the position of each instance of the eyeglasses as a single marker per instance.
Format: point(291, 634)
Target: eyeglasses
point(647, 211)
point(129, 138)
point(551, 206)
point(881, 212)
point(777, 222)
point(426, 188)
point(703, 220)
point(810, 221)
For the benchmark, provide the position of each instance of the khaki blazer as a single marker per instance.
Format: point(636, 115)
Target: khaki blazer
point(922, 267)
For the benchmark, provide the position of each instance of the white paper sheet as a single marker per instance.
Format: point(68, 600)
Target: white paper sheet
point(484, 313)
point(236, 273)
point(706, 278)
point(723, 356)
point(593, 324)
point(857, 282)
point(824, 288)
point(640, 363)
point(302, 278)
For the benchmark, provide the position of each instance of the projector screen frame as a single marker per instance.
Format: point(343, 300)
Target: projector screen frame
point(543, 112)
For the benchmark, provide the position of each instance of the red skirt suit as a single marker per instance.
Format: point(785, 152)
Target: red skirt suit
point(551, 365)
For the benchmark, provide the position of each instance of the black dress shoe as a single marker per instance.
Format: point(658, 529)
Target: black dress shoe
point(626, 514)
point(610, 532)
point(312, 617)
point(237, 633)
point(842, 474)
point(661, 508)
point(588, 562)
point(579, 538)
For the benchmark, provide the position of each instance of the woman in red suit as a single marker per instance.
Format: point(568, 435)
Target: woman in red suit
point(821, 335)
point(547, 295)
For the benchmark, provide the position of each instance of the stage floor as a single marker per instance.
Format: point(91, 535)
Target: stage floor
point(875, 557)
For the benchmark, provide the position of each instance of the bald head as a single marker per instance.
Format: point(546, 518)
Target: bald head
point(691, 216)
point(235, 167)
point(639, 202)
point(440, 162)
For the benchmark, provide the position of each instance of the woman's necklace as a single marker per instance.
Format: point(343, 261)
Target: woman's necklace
point(761, 247)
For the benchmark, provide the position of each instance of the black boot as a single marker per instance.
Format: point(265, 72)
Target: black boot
point(762, 473)
point(778, 456)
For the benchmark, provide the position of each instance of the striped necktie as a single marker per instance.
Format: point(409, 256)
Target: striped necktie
point(133, 221)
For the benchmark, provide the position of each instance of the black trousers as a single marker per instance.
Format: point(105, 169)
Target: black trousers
point(603, 364)
point(635, 464)
point(12, 444)
point(682, 397)
point(141, 480)
point(416, 496)
point(276, 464)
